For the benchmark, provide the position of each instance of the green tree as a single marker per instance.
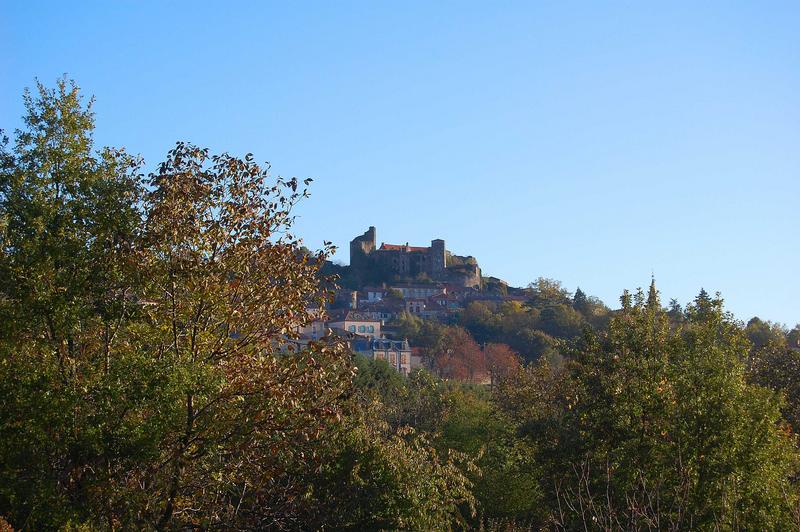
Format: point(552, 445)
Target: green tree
point(373, 476)
point(762, 333)
point(560, 321)
point(777, 367)
point(544, 292)
point(70, 217)
point(793, 337)
point(506, 481)
point(654, 413)
point(380, 377)
point(427, 334)
point(580, 302)
point(68, 285)
point(395, 294)
point(481, 321)
point(675, 311)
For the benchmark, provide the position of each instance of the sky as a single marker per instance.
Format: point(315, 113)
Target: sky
point(597, 143)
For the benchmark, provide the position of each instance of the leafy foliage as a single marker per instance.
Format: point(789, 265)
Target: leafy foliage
point(146, 381)
point(658, 425)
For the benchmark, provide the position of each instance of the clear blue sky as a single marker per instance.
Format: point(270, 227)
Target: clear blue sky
point(591, 142)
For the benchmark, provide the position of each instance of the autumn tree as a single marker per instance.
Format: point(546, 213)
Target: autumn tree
point(501, 361)
point(225, 288)
point(458, 356)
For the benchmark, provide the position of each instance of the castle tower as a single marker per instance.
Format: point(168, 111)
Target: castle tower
point(437, 256)
point(361, 246)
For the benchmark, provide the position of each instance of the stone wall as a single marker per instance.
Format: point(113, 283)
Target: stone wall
point(409, 262)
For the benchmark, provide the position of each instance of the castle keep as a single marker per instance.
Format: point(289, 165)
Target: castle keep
point(407, 261)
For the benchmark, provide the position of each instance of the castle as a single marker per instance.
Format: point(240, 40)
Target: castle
point(404, 261)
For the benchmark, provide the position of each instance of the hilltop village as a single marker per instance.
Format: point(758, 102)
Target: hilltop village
point(383, 282)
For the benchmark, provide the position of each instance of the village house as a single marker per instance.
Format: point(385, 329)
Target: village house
point(397, 353)
point(384, 310)
point(356, 322)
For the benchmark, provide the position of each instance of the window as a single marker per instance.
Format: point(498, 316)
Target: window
point(361, 328)
point(393, 359)
point(352, 328)
point(404, 359)
point(371, 329)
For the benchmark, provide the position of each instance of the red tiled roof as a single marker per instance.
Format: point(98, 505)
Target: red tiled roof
point(401, 247)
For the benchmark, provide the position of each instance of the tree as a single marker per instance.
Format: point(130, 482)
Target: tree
point(762, 333)
point(653, 413)
point(675, 311)
point(479, 319)
point(506, 480)
point(777, 367)
point(580, 302)
point(70, 218)
point(394, 294)
point(560, 321)
point(501, 361)
point(546, 292)
point(793, 337)
point(458, 356)
point(142, 336)
point(68, 285)
point(374, 477)
point(226, 285)
point(534, 345)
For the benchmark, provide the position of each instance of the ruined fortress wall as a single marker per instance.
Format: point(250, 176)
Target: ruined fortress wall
point(438, 257)
point(361, 247)
point(410, 261)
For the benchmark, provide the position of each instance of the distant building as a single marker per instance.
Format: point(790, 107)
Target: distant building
point(417, 291)
point(383, 310)
point(362, 332)
point(447, 301)
point(396, 352)
point(373, 293)
point(359, 323)
point(406, 261)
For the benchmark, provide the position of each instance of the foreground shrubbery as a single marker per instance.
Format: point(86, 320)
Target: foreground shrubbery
point(145, 384)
